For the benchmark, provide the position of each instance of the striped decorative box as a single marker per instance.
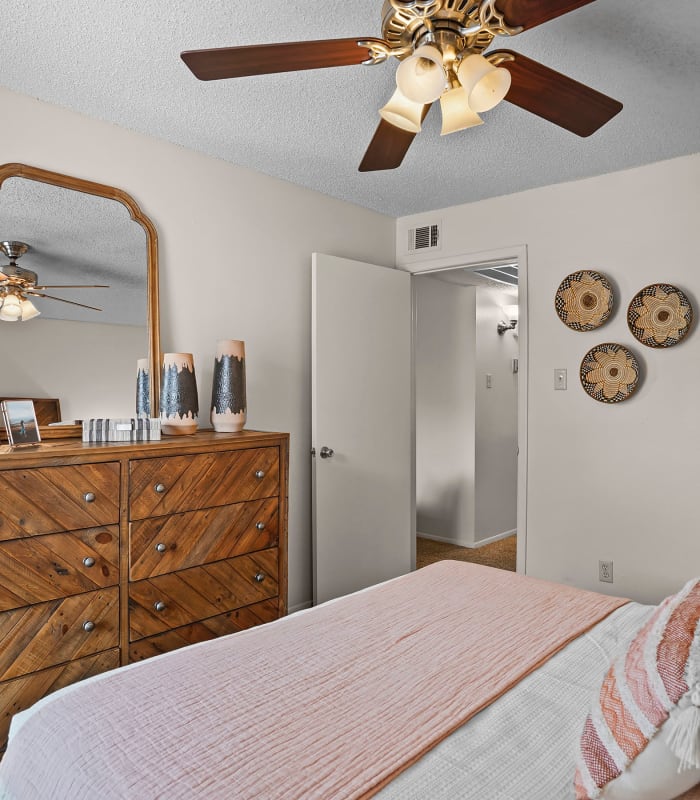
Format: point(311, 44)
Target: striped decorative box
point(121, 430)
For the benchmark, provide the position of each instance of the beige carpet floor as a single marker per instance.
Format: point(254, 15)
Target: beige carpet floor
point(499, 554)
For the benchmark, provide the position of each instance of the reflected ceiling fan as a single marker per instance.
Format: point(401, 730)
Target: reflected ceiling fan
point(18, 285)
point(441, 45)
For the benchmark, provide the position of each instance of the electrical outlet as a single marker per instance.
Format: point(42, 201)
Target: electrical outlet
point(605, 571)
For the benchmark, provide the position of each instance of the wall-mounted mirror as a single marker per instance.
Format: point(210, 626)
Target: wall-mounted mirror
point(79, 235)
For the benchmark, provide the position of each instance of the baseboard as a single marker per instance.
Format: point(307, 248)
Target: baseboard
point(299, 607)
point(495, 538)
point(455, 542)
point(470, 545)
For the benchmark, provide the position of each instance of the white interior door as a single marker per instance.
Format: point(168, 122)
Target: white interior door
point(362, 407)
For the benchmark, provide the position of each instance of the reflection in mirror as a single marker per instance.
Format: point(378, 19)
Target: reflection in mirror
point(78, 233)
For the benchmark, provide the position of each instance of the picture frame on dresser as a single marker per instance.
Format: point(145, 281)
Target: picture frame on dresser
point(21, 426)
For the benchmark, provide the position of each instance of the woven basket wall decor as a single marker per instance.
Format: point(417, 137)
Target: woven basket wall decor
point(659, 315)
point(609, 373)
point(584, 300)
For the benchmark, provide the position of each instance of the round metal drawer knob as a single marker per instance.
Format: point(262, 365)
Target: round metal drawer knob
point(89, 561)
point(259, 474)
point(161, 548)
point(160, 488)
point(259, 577)
point(159, 606)
point(89, 497)
point(260, 526)
point(88, 625)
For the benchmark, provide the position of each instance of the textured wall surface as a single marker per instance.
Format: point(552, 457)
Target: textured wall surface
point(614, 482)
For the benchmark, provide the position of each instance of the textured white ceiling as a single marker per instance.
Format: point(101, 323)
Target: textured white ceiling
point(118, 60)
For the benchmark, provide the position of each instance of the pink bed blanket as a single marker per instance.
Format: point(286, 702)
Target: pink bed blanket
point(329, 703)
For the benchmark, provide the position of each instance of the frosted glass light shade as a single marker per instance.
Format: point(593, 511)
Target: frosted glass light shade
point(11, 309)
point(421, 77)
point(456, 114)
point(29, 310)
point(402, 113)
point(484, 84)
point(511, 312)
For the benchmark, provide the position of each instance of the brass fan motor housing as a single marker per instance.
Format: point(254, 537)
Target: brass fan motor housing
point(16, 276)
point(452, 24)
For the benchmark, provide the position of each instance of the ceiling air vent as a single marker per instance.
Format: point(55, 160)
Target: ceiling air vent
point(426, 237)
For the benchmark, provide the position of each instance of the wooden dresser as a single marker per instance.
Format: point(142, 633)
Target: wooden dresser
point(111, 553)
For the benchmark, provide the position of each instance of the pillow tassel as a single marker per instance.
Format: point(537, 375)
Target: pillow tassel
point(684, 733)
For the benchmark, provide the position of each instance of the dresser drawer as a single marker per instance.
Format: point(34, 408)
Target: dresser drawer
point(39, 568)
point(177, 541)
point(52, 499)
point(187, 483)
point(180, 598)
point(221, 625)
point(47, 634)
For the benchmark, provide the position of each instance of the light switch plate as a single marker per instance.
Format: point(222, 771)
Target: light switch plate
point(560, 379)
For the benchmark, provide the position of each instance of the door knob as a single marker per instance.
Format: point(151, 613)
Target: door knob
point(326, 452)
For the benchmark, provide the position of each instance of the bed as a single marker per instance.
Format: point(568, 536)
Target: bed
point(455, 681)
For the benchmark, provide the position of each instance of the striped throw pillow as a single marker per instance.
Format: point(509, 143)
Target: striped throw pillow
point(647, 691)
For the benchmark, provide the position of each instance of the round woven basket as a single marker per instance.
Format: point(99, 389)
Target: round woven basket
point(584, 300)
point(609, 373)
point(660, 315)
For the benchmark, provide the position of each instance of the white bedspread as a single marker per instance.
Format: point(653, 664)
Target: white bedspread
point(523, 747)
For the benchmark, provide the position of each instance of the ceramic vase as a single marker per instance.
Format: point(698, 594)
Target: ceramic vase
point(179, 403)
point(143, 389)
point(228, 399)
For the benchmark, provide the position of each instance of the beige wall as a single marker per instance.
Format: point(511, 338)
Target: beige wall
point(244, 242)
point(79, 363)
point(445, 363)
point(604, 482)
point(496, 420)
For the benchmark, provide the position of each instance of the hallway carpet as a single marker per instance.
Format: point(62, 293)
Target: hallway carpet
point(499, 554)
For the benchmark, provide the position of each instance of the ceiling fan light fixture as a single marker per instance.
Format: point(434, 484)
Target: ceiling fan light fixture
point(402, 113)
point(484, 84)
point(456, 114)
point(11, 308)
point(29, 310)
point(421, 77)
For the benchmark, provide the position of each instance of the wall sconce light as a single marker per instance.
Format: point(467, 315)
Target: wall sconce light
point(510, 313)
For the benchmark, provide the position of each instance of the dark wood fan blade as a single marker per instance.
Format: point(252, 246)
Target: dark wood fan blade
point(388, 147)
point(528, 13)
point(556, 98)
point(60, 299)
point(263, 59)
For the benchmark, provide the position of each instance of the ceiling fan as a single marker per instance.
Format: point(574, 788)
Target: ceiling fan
point(18, 285)
point(441, 45)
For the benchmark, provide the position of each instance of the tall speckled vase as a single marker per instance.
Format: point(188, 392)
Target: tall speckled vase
point(228, 399)
point(143, 389)
point(179, 403)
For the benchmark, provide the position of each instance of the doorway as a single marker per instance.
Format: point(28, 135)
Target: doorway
point(470, 361)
